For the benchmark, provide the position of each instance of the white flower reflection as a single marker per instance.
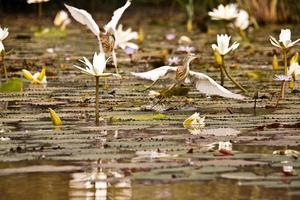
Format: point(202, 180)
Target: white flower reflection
point(95, 185)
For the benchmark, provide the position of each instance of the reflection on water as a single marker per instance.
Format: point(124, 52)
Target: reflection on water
point(107, 184)
point(99, 185)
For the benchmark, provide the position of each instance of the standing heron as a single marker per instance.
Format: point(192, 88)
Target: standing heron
point(183, 74)
point(106, 37)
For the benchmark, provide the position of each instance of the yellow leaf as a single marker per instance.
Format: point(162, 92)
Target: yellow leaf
point(275, 63)
point(27, 75)
point(55, 118)
point(42, 74)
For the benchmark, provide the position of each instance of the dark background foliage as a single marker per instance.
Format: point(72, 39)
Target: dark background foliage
point(263, 10)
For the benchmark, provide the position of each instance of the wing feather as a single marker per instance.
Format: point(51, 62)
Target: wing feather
point(84, 18)
point(155, 74)
point(207, 85)
point(112, 24)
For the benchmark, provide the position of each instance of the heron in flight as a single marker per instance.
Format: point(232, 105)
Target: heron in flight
point(203, 83)
point(106, 37)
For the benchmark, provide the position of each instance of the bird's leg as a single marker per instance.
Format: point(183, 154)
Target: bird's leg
point(150, 86)
point(232, 80)
point(115, 61)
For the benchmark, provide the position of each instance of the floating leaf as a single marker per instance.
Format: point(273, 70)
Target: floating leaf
point(12, 85)
point(55, 118)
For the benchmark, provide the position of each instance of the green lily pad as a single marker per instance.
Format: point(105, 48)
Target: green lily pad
point(12, 85)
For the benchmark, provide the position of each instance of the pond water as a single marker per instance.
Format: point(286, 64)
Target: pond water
point(143, 153)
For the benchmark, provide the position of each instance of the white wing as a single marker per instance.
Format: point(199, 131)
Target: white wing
point(155, 74)
point(84, 18)
point(207, 85)
point(112, 24)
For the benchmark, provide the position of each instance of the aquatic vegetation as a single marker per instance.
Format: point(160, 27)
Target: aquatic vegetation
point(12, 85)
point(227, 12)
point(194, 123)
point(242, 22)
point(170, 36)
point(222, 48)
point(284, 44)
point(283, 79)
point(123, 38)
point(62, 19)
point(107, 39)
point(184, 40)
point(37, 78)
point(173, 60)
point(183, 74)
point(224, 149)
point(189, 7)
point(3, 35)
point(186, 49)
point(56, 121)
point(95, 69)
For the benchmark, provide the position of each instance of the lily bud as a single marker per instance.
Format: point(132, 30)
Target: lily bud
point(55, 118)
point(275, 64)
point(218, 58)
point(141, 35)
point(295, 58)
point(27, 75)
point(42, 74)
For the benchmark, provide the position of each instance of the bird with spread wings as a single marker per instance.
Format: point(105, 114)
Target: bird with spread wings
point(106, 37)
point(203, 83)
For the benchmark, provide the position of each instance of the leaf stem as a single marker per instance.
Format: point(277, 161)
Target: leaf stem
point(230, 77)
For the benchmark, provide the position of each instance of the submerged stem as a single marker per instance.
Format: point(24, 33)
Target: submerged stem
point(4, 67)
point(230, 77)
point(281, 95)
point(97, 101)
point(40, 10)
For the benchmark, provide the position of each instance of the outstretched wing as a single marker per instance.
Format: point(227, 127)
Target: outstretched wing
point(112, 24)
point(84, 18)
point(207, 85)
point(155, 74)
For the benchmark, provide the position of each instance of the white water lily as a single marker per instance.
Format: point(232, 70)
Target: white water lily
point(123, 38)
point(37, 78)
point(36, 1)
point(228, 12)
point(242, 21)
point(3, 34)
point(97, 67)
point(284, 41)
point(225, 146)
point(294, 70)
point(194, 122)
point(222, 46)
point(62, 19)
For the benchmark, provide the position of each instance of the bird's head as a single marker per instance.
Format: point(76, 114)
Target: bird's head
point(189, 58)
